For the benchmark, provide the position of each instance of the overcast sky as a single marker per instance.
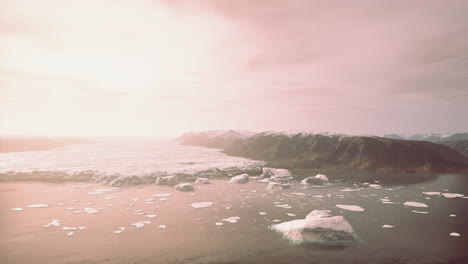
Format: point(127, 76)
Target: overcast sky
point(107, 67)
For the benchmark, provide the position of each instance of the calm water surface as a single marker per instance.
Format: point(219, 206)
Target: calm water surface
point(191, 235)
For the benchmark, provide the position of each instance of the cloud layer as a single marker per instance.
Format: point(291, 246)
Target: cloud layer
point(149, 67)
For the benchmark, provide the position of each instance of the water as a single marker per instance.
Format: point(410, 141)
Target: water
point(130, 156)
point(192, 235)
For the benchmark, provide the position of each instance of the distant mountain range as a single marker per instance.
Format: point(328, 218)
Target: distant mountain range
point(333, 151)
point(430, 137)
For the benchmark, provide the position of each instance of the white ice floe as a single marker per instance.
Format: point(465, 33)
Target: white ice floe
point(276, 220)
point(289, 214)
point(162, 227)
point(77, 212)
point(350, 190)
point(453, 215)
point(69, 208)
point(452, 195)
point(232, 219)
point(286, 206)
point(276, 174)
point(184, 187)
point(388, 226)
point(38, 206)
point(318, 227)
point(140, 213)
point(318, 179)
point(81, 227)
point(163, 199)
point(415, 204)
point(375, 186)
point(388, 202)
point(100, 191)
point(240, 179)
point(297, 193)
point(150, 200)
point(69, 228)
point(109, 197)
point(431, 193)
point(201, 205)
point(161, 195)
point(90, 210)
point(17, 209)
point(70, 233)
point(419, 212)
point(219, 223)
point(55, 223)
point(455, 234)
point(151, 215)
point(202, 181)
point(120, 229)
point(354, 208)
point(141, 224)
point(274, 186)
point(262, 213)
point(318, 196)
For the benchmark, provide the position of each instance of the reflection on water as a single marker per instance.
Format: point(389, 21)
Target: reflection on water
point(192, 235)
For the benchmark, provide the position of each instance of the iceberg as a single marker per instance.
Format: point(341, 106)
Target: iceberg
point(219, 223)
point(90, 210)
point(202, 181)
point(354, 208)
point(184, 187)
point(452, 195)
point(455, 234)
point(375, 186)
point(55, 223)
point(17, 209)
point(415, 204)
point(387, 226)
point(431, 193)
point(319, 227)
point(279, 175)
point(167, 180)
point(38, 206)
point(318, 179)
point(162, 227)
point(274, 186)
point(201, 205)
point(241, 179)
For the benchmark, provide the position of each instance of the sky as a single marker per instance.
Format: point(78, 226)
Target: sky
point(150, 68)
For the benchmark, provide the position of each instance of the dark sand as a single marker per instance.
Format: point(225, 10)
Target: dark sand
point(191, 235)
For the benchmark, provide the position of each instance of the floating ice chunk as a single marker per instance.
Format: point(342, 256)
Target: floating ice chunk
point(17, 209)
point(38, 206)
point(160, 195)
point(70, 233)
point(419, 212)
point(90, 210)
point(150, 200)
point(385, 200)
point(455, 234)
point(318, 179)
point(77, 212)
point(120, 230)
point(415, 204)
point(81, 227)
point(274, 186)
point(318, 227)
point(453, 215)
point(109, 197)
point(289, 214)
point(184, 187)
point(100, 191)
point(69, 228)
point(202, 181)
point(431, 193)
point(151, 215)
point(232, 219)
point(162, 227)
point(163, 199)
point(350, 190)
point(387, 226)
point(388, 202)
point(55, 223)
point(138, 213)
point(319, 196)
point(201, 205)
point(219, 223)
point(69, 208)
point(276, 174)
point(297, 193)
point(375, 186)
point(262, 213)
point(452, 195)
point(286, 206)
point(243, 178)
point(141, 224)
point(354, 208)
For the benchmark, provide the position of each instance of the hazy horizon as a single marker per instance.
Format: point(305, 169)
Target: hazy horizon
point(162, 68)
